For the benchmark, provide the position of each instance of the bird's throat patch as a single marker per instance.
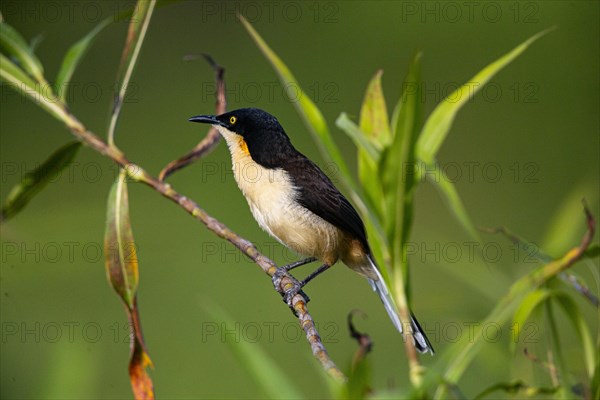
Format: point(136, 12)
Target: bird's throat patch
point(243, 145)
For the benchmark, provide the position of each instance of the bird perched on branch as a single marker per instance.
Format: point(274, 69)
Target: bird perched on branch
point(296, 203)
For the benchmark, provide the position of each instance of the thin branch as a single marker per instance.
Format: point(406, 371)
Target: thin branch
point(364, 340)
point(212, 138)
point(135, 37)
point(566, 276)
point(549, 366)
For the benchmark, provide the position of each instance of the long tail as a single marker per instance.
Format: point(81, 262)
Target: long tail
point(420, 340)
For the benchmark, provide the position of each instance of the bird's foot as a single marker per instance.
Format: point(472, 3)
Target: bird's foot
point(288, 288)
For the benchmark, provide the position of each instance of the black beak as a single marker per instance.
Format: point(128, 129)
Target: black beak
point(206, 119)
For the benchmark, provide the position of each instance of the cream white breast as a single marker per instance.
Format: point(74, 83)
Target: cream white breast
point(271, 196)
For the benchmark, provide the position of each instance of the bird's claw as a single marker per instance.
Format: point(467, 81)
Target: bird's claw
point(289, 293)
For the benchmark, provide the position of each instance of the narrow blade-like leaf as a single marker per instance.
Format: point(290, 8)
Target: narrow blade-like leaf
point(368, 158)
point(15, 45)
point(560, 229)
point(138, 26)
point(440, 121)
point(373, 113)
point(27, 87)
point(359, 137)
point(74, 56)
point(123, 274)
point(33, 182)
point(374, 124)
point(396, 165)
point(119, 246)
point(515, 389)
point(454, 202)
point(529, 304)
point(578, 322)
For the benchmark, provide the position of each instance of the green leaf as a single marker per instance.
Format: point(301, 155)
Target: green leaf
point(119, 246)
point(373, 114)
point(454, 203)
point(572, 311)
point(74, 56)
point(368, 157)
point(138, 26)
point(374, 124)
point(15, 45)
point(24, 85)
point(360, 138)
point(12, 73)
point(440, 121)
point(515, 388)
point(395, 165)
point(529, 304)
point(33, 182)
point(269, 376)
point(560, 230)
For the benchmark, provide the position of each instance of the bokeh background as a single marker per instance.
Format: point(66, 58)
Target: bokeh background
point(522, 153)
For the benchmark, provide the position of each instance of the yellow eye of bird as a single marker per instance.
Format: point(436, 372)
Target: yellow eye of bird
point(232, 120)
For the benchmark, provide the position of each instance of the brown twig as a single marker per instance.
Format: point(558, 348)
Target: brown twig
point(212, 138)
point(565, 276)
point(547, 365)
point(364, 341)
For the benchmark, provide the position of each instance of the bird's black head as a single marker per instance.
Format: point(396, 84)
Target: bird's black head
point(265, 139)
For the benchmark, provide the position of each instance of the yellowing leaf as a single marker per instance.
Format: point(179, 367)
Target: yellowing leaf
point(373, 113)
point(141, 383)
point(119, 247)
point(122, 271)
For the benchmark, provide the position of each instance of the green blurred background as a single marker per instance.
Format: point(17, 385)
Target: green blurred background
point(522, 154)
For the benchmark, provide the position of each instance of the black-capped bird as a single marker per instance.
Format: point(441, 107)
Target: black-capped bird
point(296, 203)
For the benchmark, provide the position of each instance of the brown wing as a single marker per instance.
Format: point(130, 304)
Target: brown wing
point(318, 194)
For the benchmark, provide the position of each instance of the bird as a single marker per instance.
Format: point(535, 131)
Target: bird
point(295, 202)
